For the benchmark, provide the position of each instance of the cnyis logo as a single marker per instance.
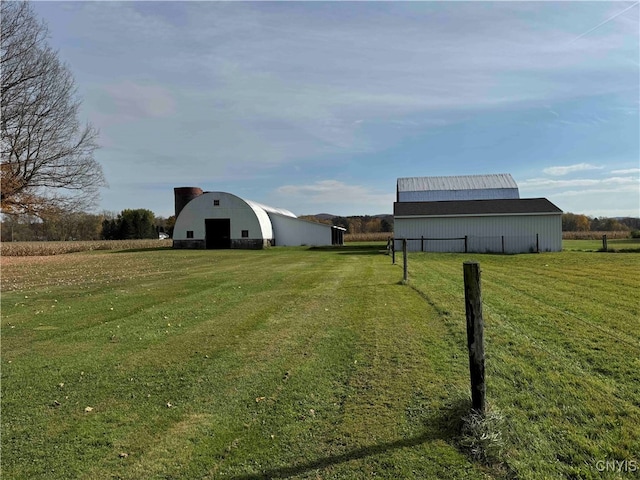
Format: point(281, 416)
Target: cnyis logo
point(619, 466)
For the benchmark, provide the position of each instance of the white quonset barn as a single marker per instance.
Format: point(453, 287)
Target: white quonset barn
point(478, 213)
point(216, 220)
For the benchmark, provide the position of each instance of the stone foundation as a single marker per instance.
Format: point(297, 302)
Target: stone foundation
point(250, 244)
point(236, 243)
point(190, 243)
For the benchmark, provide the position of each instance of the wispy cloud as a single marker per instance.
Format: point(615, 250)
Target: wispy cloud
point(628, 188)
point(258, 90)
point(626, 171)
point(311, 72)
point(537, 183)
point(135, 100)
point(333, 191)
point(614, 195)
point(328, 194)
point(564, 170)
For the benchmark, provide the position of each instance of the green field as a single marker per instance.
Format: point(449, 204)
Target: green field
point(297, 363)
point(617, 244)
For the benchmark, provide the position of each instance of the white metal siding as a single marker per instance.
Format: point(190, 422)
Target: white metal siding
point(290, 231)
point(484, 232)
point(261, 221)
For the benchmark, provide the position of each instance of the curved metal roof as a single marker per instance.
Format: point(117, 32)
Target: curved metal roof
point(267, 208)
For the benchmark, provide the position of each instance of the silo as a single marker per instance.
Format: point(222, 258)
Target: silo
point(184, 195)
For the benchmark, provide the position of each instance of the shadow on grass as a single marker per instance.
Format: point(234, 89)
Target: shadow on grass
point(444, 425)
point(136, 250)
point(376, 249)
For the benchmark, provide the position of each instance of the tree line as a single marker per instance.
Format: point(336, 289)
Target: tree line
point(143, 223)
point(356, 223)
point(126, 225)
point(572, 222)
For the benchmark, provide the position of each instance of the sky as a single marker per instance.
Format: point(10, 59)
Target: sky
point(318, 107)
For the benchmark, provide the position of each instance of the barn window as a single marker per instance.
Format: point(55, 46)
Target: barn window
point(245, 233)
point(189, 233)
point(216, 203)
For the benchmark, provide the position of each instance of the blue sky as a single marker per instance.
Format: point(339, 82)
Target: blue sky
point(320, 106)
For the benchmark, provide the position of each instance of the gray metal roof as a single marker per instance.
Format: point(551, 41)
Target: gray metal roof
point(475, 207)
point(461, 182)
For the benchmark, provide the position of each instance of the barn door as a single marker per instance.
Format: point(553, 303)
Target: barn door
point(218, 232)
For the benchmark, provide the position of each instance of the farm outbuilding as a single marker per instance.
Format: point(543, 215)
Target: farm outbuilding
point(471, 219)
point(218, 220)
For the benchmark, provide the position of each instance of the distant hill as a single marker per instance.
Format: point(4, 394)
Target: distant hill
point(323, 216)
point(329, 216)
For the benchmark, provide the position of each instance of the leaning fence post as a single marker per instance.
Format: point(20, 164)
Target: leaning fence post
point(404, 259)
point(604, 243)
point(475, 334)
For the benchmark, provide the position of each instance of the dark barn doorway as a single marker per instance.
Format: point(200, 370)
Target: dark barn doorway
point(218, 232)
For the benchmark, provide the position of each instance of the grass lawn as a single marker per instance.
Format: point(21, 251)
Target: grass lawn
point(628, 244)
point(296, 363)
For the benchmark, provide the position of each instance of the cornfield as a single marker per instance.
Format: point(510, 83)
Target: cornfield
point(594, 235)
point(30, 249)
point(368, 237)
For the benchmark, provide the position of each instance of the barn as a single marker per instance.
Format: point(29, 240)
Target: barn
point(476, 213)
point(220, 220)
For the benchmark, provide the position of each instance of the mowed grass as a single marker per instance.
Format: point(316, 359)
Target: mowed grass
point(562, 335)
point(594, 245)
point(297, 363)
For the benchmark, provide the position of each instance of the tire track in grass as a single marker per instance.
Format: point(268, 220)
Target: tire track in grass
point(368, 396)
point(262, 345)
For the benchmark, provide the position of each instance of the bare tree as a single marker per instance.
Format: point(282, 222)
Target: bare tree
point(47, 157)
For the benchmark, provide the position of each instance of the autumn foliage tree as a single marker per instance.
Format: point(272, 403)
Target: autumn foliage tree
point(47, 156)
point(572, 222)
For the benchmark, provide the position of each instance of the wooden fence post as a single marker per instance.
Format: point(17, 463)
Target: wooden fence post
point(537, 243)
point(422, 243)
point(604, 243)
point(502, 243)
point(466, 243)
point(393, 251)
point(475, 334)
point(404, 259)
